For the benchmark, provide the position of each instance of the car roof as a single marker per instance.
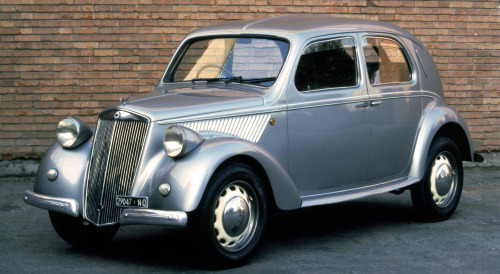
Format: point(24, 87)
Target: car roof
point(304, 26)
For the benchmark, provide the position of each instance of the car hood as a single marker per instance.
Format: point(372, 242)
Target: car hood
point(184, 102)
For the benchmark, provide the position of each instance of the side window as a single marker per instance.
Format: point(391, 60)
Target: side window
point(327, 64)
point(385, 61)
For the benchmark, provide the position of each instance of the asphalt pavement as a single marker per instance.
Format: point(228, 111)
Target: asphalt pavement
point(379, 234)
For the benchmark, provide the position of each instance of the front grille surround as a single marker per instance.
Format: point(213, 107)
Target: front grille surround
point(116, 154)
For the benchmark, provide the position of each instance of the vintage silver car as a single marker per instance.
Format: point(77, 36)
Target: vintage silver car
point(260, 115)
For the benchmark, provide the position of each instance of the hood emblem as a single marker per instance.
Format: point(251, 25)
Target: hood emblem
point(124, 116)
point(125, 100)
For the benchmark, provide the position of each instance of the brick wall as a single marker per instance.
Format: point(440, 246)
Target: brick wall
point(76, 57)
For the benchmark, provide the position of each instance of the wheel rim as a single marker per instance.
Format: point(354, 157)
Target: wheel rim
point(443, 179)
point(236, 215)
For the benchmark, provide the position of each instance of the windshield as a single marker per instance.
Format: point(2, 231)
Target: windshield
point(249, 60)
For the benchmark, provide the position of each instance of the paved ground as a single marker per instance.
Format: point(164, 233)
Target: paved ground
point(378, 234)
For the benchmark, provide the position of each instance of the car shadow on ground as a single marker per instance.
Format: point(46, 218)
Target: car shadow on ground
point(343, 217)
point(172, 249)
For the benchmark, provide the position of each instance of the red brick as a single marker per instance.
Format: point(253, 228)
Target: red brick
point(76, 57)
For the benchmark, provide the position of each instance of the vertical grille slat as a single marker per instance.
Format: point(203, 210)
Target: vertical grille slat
point(115, 158)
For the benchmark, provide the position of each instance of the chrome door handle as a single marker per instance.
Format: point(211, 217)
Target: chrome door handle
point(363, 105)
point(376, 103)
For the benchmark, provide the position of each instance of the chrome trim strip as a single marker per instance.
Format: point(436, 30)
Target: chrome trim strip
point(226, 114)
point(62, 205)
point(346, 195)
point(153, 217)
point(355, 99)
point(245, 127)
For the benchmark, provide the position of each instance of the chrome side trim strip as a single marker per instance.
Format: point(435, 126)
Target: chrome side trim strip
point(341, 196)
point(226, 114)
point(245, 127)
point(153, 217)
point(62, 205)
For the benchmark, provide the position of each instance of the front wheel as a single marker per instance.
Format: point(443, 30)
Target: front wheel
point(230, 220)
point(79, 232)
point(436, 197)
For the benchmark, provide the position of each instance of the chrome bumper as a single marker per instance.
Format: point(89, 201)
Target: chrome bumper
point(128, 216)
point(62, 205)
point(153, 217)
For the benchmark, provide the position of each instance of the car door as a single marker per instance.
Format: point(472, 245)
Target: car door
point(395, 105)
point(328, 122)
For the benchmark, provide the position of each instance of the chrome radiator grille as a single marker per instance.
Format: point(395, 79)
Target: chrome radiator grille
point(115, 158)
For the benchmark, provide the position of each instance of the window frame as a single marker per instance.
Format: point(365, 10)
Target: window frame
point(168, 75)
point(357, 62)
point(406, 55)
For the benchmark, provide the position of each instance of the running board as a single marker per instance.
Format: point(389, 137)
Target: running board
point(355, 193)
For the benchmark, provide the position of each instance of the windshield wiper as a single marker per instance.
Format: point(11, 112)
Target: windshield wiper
point(258, 80)
point(238, 79)
point(225, 79)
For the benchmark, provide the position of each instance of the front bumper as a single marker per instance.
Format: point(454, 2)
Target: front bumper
point(153, 217)
point(62, 205)
point(128, 216)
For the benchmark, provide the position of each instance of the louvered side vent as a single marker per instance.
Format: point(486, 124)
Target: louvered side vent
point(115, 158)
point(247, 127)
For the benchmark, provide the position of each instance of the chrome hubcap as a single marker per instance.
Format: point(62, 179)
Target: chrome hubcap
point(443, 180)
point(235, 216)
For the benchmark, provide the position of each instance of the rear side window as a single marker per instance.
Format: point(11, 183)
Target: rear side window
point(327, 64)
point(385, 61)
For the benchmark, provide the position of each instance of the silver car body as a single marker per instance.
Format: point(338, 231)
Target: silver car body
point(311, 148)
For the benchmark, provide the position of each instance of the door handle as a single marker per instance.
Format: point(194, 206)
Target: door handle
point(376, 103)
point(363, 105)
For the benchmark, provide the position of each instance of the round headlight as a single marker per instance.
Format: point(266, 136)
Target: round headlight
point(174, 141)
point(71, 132)
point(179, 141)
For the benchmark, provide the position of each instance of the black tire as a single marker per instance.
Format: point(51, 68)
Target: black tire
point(436, 197)
point(80, 233)
point(227, 237)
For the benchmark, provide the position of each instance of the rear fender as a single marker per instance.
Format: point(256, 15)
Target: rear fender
point(437, 118)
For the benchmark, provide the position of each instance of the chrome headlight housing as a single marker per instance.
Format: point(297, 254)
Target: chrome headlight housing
point(72, 132)
point(179, 141)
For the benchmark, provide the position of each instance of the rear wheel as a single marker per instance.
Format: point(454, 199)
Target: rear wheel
point(230, 220)
point(79, 232)
point(436, 197)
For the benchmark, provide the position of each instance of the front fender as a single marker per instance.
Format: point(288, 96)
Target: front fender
point(189, 176)
point(71, 166)
point(436, 118)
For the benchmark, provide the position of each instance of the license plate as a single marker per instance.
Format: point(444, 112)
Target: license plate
point(127, 201)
